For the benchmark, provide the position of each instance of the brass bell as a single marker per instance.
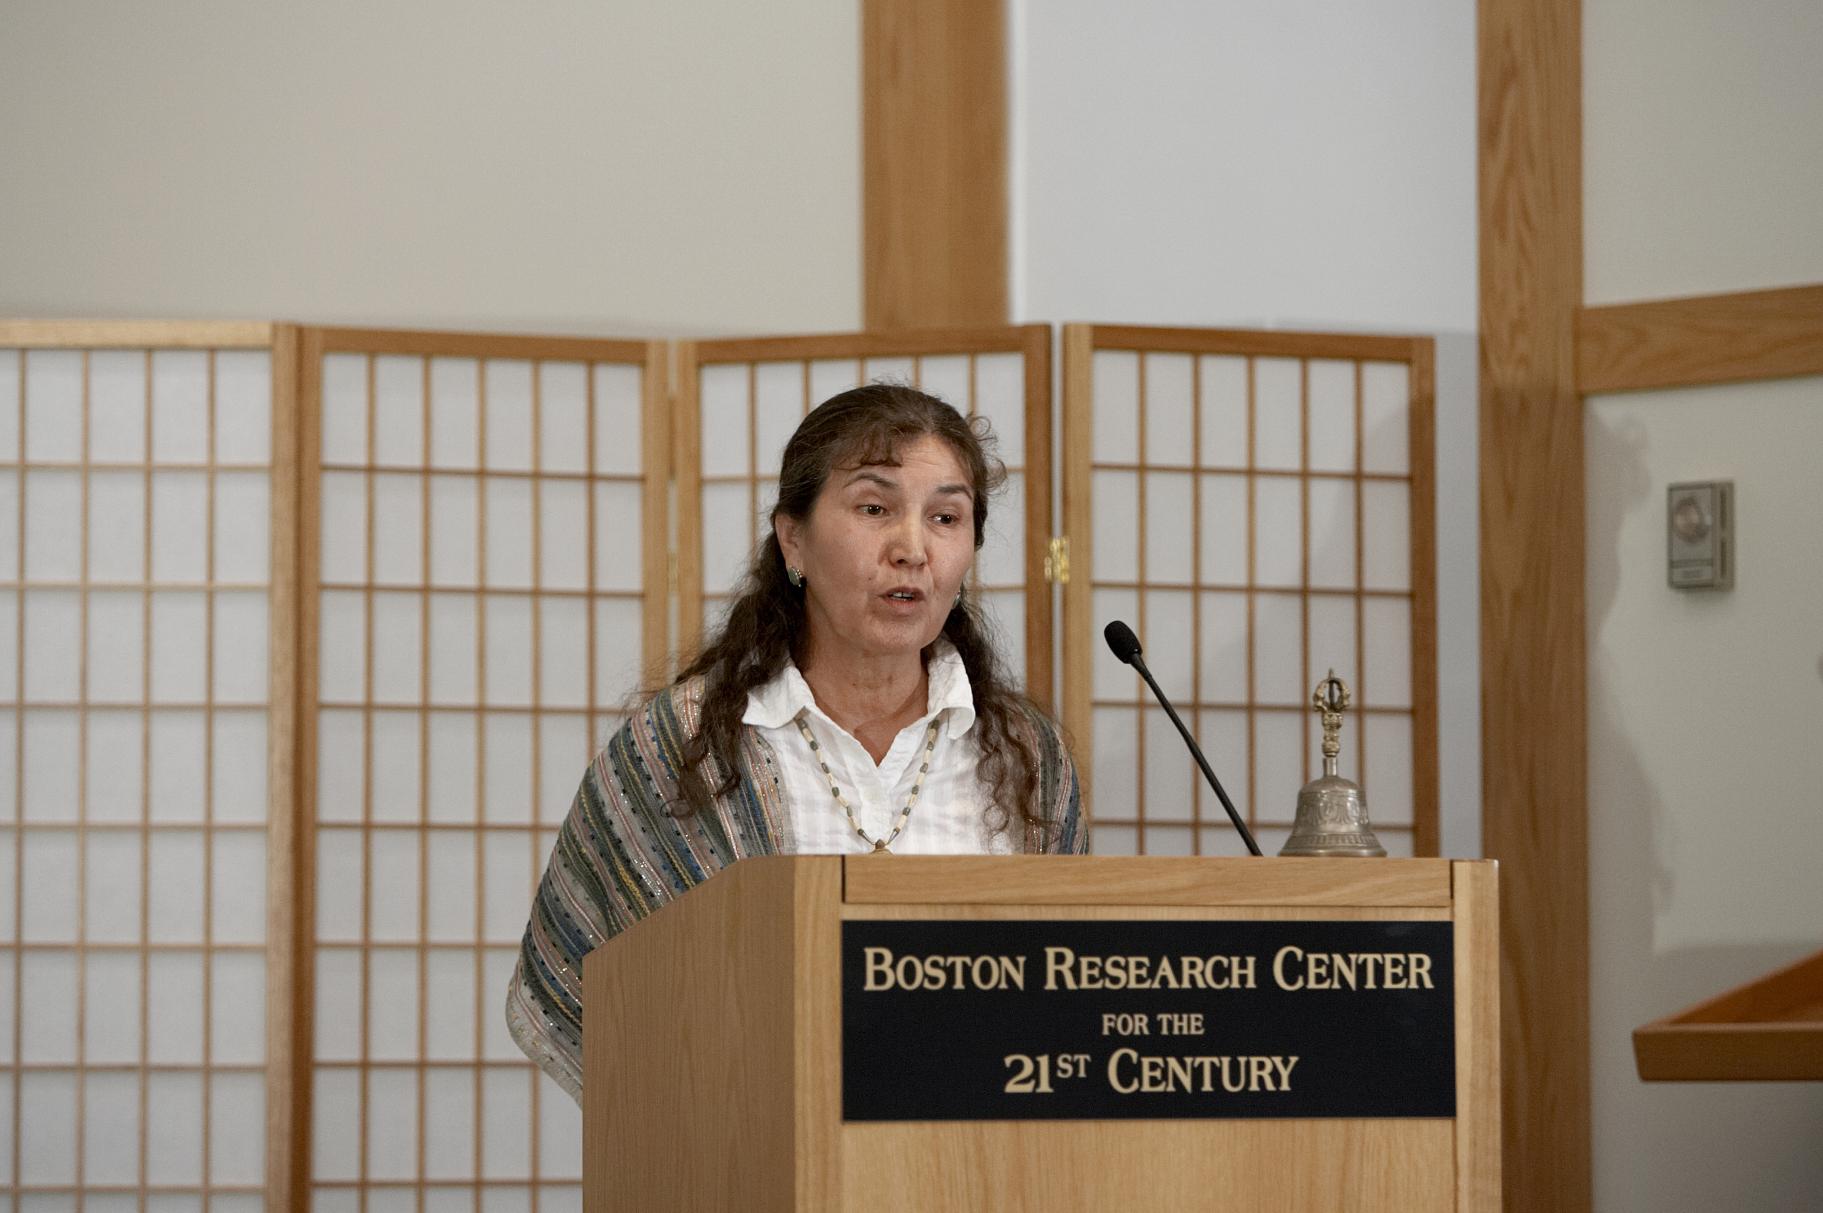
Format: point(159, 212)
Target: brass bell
point(1332, 813)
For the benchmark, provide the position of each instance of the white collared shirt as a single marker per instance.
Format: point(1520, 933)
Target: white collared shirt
point(949, 818)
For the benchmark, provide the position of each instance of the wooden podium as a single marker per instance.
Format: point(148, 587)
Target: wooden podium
point(713, 1049)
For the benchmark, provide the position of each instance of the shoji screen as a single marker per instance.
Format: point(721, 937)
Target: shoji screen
point(141, 618)
point(740, 400)
point(1259, 507)
point(482, 574)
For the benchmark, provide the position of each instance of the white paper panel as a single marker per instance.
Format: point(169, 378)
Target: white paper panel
point(449, 1126)
point(46, 1027)
point(47, 886)
point(1168, 511)
point(1171, 772)
point(563, 417)
point(397, 640)
point(1332, 638)
point(335, 1137)
point(174, 1128)
point(778, 407)
point(728, 522)
point(452, 886)
point(1005, 614)
point(1224, 405)
point(111, 980)
point(344, 527)
point(52, 753)
point(1385, 418)
point(723, 393)
point(1223, 537)
point(340, 770)
point(237, 1023)
point(506, 415)
point(1387, 679)
point(1386, 536)
point(1387, 782)
point(619, 530)
point(890, 370)
point(1278, 649)
point(116, 664)
point(53, 646)
point(47, 1136)
point(454, 412)
point(507, 889)
point(117, 546)
point(559, 1141)
point(176, 765)
point(398, 417)
point(563, 753)
point(1332, 532)
point(239, 765)
point(617, 652)
point(341, 625)
point(1169, 636)
point(237, 1138)
point(508, 507)
point(1332, 415)
point(394, 913)
point(450, 796)
point(1278, 423)
point(398, 510)
point(1279, 764)
point(9, 765)
point(339, 868)
point(1170, 435)
point(507, 636)
point(1115, 532)
point(1169, 840)
point(496, 971)
point(179, 633)
point(392, 999)
point(1223, 646)
point(174, 1031)
point(506, 1113)
point(449, 1016)
point(178, 887)
point(618, 390)
point(240, 647)
point(1277, 537)
point(1000, 397)
point(1116, 761)
point(1114, 840)
point(243, 406)
point(111, 886)
point(563, 639)
point(337, 1022)
point(1002, 557)
point(344, 408)
point(563, 533)
point(507, 749)
point(453, 530)
point(9, 525)
point(110, 1129)
point(453, 638)
point(1223, 736)
point(117, 405)
point(396, 745)
point(1115, 432)
point(8, 1007)
point(1109, 679)
point(392, 1124)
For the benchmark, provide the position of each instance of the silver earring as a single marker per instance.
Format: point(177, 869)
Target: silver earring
point(795, 576)
point(958, 602)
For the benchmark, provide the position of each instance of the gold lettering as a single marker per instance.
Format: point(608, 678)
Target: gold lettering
point(1060, 963)
point(1284, 1066)
point(1114, 1060)
point(1278, 970)
point(1421, 971)
point(879, 969)
point(1241, 973)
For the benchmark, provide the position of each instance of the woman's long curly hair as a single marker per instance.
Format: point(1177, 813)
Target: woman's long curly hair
point(765, 624)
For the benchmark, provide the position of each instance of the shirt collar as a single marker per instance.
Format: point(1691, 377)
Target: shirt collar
point(778, 701)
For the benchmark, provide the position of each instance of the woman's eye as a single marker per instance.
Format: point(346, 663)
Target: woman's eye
point(873, 509)
point(946, 519)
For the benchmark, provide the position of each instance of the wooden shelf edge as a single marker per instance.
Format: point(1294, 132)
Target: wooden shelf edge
point(1769, 1029)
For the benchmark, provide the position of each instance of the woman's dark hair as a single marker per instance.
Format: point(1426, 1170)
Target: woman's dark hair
point(765, 622)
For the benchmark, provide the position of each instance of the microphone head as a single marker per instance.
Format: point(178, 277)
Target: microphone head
point(1122, 641)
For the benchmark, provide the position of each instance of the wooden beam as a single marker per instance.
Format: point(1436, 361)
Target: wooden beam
point(1706, 339)
point(934, 163)
point(1533, 661)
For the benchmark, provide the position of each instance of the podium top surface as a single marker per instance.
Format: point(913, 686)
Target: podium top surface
point(1143, 880)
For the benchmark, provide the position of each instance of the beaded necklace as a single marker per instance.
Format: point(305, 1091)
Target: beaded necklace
point(835, 789)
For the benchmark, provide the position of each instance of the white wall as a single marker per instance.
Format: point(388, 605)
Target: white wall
point(1702, 171)
point(1296, 165)
point(580, 165)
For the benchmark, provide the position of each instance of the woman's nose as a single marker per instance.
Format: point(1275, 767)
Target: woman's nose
point(907, 543)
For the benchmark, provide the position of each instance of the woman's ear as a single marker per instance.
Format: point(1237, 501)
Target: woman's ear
point(788, 532)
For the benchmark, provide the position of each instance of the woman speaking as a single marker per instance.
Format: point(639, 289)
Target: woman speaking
point(851, 702)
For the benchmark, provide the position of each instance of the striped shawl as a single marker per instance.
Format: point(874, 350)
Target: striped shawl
point(620, 855)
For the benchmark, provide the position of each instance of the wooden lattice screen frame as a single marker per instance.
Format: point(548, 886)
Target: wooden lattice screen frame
point(150, 338)
point(1080, 344)
point(1032, 342)
point(315, 345)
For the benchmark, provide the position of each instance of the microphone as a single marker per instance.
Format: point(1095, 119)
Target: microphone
point(1125, 645)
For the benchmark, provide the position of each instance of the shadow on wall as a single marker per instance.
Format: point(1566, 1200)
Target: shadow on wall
point(1738, 1146)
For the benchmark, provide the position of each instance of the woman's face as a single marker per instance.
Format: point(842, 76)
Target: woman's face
point(883, 552)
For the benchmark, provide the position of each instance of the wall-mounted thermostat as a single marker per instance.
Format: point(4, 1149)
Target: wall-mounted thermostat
point(1699, 535)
